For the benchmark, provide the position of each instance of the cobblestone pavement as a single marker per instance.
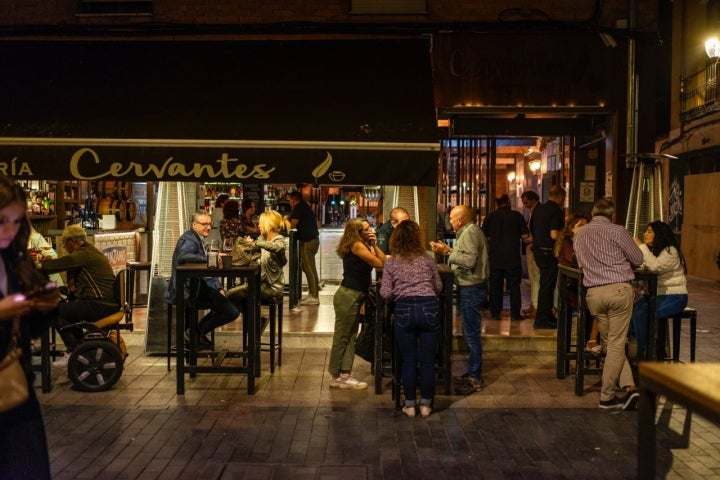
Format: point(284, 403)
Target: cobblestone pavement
point(525, 424)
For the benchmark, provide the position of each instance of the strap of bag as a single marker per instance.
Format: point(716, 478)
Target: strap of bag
point(15, 332)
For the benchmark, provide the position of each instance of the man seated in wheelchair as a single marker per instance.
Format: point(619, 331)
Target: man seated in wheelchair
point(90, 292)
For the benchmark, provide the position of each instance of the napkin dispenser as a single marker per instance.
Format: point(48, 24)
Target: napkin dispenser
point(107, 222)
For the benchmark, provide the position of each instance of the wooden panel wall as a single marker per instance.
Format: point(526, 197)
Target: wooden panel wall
point(701, 225)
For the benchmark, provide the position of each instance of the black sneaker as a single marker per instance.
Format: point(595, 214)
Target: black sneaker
point(627, 402)
point(204, 343)
point(478, 384)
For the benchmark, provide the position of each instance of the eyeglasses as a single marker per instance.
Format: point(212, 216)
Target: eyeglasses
point(66, 241)
point(204, 224)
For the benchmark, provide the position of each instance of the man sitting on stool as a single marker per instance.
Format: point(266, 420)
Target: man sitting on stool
point(209, 293)
point(90, 281)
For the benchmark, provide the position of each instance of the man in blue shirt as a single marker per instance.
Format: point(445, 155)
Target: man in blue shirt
point(209, 293)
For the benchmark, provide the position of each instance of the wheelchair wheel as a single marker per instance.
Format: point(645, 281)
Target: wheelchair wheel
point(95, 365)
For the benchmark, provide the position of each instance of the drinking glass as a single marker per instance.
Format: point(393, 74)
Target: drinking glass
point(214, 245)
point(228, 245)
point(35, 255)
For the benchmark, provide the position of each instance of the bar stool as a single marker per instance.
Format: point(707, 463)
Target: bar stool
point(132, 268)
point(274, 344)
point(691, 314)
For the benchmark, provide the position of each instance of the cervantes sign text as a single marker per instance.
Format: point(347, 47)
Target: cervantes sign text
point(279, 165)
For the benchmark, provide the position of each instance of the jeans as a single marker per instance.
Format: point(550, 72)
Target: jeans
point(548, 265)
point(611, 305)
point(666, 306)
point(347, 304)
point(308, 250)
point(222, 311)
point(471, 300)
point(417, 332)
point(497, 275)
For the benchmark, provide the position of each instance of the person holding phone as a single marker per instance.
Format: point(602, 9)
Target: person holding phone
point(360, 254)
point(25, 294)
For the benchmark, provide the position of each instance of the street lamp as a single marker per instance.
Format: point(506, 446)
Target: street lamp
point(712, 47)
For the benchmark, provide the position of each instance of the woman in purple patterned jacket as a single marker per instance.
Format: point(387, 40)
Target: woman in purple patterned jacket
point(411, 279)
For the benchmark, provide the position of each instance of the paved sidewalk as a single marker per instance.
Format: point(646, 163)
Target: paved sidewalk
point(525, 424)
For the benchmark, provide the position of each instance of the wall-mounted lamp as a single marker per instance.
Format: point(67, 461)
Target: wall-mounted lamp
point(535, 166)
point(712, 47)
point(511, 176)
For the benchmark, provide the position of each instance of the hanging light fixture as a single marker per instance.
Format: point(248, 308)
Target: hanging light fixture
point(535, 166)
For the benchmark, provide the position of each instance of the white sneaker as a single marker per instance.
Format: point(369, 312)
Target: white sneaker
point(62, 362)
point(310, 301)
point(347, 381)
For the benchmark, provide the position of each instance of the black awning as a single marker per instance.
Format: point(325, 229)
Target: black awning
point(344, 111)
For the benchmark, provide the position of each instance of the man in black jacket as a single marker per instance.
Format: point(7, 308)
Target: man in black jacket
point(505, 228)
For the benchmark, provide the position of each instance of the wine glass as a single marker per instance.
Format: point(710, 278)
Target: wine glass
point(214, 246)
point(228, 245)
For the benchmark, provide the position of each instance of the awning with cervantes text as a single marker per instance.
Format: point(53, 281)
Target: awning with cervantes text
point(325, 112)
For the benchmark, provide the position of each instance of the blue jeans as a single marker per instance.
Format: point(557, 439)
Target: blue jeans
point(471, 300)
point(417, 331)
point(666, 306)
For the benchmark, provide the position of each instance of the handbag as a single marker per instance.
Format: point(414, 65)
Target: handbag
point(245, 252)
point(13, 382)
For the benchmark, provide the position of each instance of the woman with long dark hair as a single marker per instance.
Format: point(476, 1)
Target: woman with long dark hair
point(411, 279)
point(24, 293)
point(661, 255)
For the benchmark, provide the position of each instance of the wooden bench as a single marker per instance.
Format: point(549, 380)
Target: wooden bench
point(695, 385)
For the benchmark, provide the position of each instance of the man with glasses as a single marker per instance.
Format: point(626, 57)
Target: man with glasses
point(397, 216)
point(90, 280)
point(209, 293)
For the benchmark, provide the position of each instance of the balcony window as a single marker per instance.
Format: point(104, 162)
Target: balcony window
point(699, 93)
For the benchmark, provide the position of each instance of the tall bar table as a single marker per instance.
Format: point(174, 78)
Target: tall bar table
point(569, 349)
point(251, 274)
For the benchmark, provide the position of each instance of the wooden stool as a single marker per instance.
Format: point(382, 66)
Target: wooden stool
point(276, 318)
point(688, 313)
point(132, 269)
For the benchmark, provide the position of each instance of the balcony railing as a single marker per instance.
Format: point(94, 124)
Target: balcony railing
point(699, 93)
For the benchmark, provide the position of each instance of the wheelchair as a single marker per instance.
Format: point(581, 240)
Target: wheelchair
point(97, 363)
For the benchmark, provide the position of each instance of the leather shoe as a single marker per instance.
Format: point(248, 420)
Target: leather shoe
point(544, 325)
point(204, 343)
point(530, 312)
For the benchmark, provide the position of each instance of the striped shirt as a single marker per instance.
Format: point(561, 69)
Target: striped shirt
point(606, 253)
